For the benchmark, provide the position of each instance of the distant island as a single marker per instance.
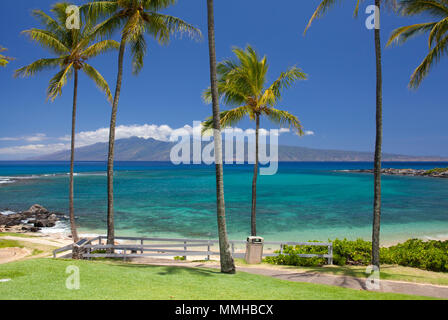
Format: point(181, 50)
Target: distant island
point(139, 149)
point(435, 173)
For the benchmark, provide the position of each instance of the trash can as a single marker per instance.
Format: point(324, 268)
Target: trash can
point(254, 250)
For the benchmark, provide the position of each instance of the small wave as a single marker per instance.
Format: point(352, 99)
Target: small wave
point(7, 212)
point(60, 227)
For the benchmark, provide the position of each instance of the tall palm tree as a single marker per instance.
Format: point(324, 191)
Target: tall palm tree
point(438, 33)
point(72, 49)
point(242, 83)
point(323, 7)
point(4, 60)
point(134, 19)
point(226, 259)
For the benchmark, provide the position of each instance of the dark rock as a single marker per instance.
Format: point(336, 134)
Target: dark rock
point(36, 209)
point(44, 224)
point(13, 223)
point(30, 229)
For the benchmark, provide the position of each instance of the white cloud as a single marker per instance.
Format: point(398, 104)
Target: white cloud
point(35, 138)
point(85, 138)
point(309, 133)
point(34, 149)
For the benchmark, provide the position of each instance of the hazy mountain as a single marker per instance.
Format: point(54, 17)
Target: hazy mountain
point(137, 149)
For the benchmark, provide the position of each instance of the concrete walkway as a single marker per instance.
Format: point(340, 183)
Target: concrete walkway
point(427, 290)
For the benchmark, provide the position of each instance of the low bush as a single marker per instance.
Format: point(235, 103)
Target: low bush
point(427, 255)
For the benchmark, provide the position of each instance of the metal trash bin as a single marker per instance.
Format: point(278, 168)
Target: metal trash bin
point(254, 250)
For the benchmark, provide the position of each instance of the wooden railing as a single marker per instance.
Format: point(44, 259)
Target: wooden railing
point(179, 247)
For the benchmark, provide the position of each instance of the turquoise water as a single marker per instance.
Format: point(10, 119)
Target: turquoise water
point(303, 201)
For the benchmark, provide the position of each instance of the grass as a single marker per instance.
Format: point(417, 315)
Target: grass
point(46, 278)
point(35, 248)
point(20, 235)
point(388, 272)
point(10, 244)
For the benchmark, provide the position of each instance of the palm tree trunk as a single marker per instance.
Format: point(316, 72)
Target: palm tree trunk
point(72, 163)
point(227, 263)
point(378, 145)
point(254, 181)
point(110, 158)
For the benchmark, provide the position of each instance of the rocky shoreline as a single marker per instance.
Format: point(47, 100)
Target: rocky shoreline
point(31, 220)
point(435, 173)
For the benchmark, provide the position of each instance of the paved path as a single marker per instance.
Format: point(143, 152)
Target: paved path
point(427, 290)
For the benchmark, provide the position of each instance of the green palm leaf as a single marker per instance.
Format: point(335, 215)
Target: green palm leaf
point(58, 82)
point(48, 40)
point(284, 118)
point(100, 82)
point(438, 33)
point(38, 66)
point(432, 58)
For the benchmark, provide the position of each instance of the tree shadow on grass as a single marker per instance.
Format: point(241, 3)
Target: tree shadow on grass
point(173, 270)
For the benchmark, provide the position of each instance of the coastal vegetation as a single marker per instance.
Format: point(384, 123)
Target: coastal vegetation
point(437, 29)
point(415, 253)
point(45, 279)
point(133, 20)
point(227, 262)
point(242, 83)
point(4, 60)
point(72, 48)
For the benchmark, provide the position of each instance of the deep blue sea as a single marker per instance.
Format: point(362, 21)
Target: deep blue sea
point(303, 201)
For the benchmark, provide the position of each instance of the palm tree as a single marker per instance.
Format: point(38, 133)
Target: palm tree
point(226, 259)
point(134, 19)
point(438, 33)
point(4, 60)
point(72, 49)
point(323, 7)
point(242, 84)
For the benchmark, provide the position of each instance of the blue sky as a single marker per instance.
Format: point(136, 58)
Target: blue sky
point(337, 103)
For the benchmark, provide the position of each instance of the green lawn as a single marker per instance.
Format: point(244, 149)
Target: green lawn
point(388, 272)
point(45, 279)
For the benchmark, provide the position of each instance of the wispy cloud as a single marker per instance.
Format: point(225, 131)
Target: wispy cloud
point(85, 138)
point(35, 138)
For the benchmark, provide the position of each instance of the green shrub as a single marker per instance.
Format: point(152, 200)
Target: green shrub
point(427, 255)
point(180, 258)
point(291, 256)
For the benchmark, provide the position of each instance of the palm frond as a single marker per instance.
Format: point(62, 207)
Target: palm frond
point(4, 60)
point(173, 25)
point(58, 82)
point(100, 47)
point(99, 80)
point(38, 66)
point(437, 8)
point(323, 7)
point(106, 29)
point(47, 40)
point(99, 9)
point(273, 94)
point(432, 58)
point(402, 34)
point(49, 23)
point(438, 31)
point(138, 49)
point(284, 118)
point(229, 118)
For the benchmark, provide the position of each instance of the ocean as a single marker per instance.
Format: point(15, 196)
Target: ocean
point(303, 201)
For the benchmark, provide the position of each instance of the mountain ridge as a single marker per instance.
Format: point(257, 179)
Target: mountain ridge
point(139, 149)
